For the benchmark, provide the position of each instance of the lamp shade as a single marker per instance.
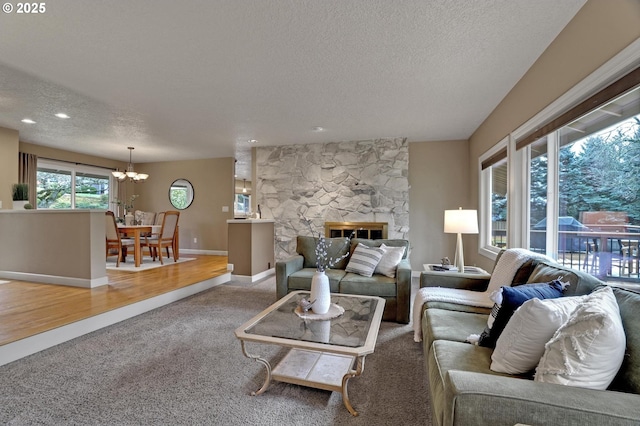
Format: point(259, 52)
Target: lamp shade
point(461, 221)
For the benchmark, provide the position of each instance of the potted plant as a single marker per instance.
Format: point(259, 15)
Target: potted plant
point(20, 195)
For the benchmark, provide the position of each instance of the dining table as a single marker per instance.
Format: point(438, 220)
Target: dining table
point(137, 231)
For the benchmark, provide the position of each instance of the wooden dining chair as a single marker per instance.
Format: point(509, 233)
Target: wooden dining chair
point(166, 237)
point(114, 241)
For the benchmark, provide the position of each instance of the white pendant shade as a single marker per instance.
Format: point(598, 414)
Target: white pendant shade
point(130, 173)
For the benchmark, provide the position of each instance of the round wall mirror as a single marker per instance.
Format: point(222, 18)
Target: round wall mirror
point(181, 194)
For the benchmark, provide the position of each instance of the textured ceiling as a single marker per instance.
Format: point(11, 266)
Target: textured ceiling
point(196, 79)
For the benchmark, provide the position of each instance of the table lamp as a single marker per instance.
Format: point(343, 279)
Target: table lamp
point(460, 222)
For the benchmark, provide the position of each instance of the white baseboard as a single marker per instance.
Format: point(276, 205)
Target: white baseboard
point(254, 278)
point(30, 345)
point(54, 279)
point(207, 252)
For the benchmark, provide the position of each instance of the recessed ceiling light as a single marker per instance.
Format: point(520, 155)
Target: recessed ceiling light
point(253, 141)
point(62, 115)
point(28, 121)
point(318, 129)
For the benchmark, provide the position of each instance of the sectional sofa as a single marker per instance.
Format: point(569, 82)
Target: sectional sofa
point(464, 390)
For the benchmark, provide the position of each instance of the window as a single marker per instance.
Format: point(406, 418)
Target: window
point(584, 185)
point(69, 186)
point(574, 163)
point(91, 191)
point(538, 195)
point(494, 199)
point(599, 198)
point(593, 223)
point(242, 205)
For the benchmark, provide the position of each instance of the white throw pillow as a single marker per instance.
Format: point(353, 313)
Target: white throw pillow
point(521, 344)
point(364, 260)
point(587, 350)
point(390, 260)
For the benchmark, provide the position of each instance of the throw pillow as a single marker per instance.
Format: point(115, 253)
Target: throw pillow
point(586, 351)
point(521, 344)
point(510, 299)
point(390, 260)
point(364, 260)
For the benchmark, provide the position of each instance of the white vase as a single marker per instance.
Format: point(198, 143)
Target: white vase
point(320, 293)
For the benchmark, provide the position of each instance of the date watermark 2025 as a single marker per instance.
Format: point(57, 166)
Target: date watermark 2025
point(24, 8)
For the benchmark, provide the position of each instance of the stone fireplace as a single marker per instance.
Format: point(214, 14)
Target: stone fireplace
point(303, 186)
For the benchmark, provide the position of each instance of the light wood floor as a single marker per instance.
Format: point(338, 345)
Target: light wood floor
point(27, 309)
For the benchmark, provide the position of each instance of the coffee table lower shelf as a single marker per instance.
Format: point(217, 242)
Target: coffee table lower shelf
point(314, 369)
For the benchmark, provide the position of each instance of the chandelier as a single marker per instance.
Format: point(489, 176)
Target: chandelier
point(129, 173)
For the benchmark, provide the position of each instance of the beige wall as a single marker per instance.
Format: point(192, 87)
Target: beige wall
point(438, 179)
point(73, 157)
point(213, 184)
point(600, 30)
point(8, 165)
point(212, 180)
point(37, 245)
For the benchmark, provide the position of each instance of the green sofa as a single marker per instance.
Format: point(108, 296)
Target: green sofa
point(465, 391)
point(295, 273)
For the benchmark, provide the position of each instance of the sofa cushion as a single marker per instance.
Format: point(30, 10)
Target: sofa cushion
point(524, 272)
point(628, 378)
point(521, 344)
point(301, 280)
point(336, 248)
point(441, 324)
point(434, 304)
point(364, 260)
point(580, 283)
point(445, 356)
point(587, 350)
point(377, 285)
point(511, 299)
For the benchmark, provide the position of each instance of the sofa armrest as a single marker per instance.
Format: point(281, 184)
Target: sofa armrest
point(448, 280)
point(403, 290)
point(285, 268)
point(484, 399)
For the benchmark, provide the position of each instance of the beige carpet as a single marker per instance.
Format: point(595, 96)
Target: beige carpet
point(146, 264)
point(182, 365)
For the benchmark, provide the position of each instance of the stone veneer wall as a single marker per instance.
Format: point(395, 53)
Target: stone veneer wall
point(359, 181)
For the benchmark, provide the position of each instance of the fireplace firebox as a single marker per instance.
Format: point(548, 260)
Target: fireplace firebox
point(369, 230)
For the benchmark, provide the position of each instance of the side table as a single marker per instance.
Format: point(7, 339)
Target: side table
point(475, 279)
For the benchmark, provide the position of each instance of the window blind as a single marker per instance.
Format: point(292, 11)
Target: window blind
point(615, 89)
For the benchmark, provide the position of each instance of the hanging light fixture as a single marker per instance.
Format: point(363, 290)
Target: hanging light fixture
point(130, 173)
point(244, 186)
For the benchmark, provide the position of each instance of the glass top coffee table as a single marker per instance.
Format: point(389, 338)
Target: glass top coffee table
point(323, 352)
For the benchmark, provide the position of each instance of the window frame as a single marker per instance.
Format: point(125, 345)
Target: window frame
point(74, 168)
point(518, 227)
point(485, 230)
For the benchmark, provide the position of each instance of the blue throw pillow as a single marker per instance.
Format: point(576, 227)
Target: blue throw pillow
point(512, 298)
